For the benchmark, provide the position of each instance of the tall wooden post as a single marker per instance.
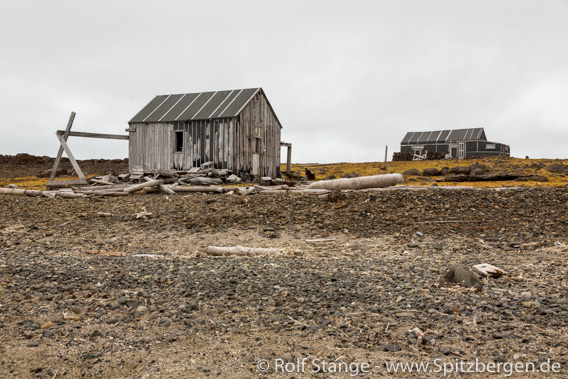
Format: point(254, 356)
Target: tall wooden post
point(289, 159)
point(386, 152)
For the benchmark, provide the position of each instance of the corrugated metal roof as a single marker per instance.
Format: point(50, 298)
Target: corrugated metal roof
point(195, 106)
point(443, 136)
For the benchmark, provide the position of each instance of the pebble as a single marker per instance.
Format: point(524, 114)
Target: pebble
point(454, 309)
point(122, 300)
point(393, 348)
point(48, 325)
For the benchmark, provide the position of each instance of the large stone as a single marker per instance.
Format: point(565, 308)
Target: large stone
point(460, 170)
point(477, 169)
point(412, 172)
point(431, 172)
point(538, 178)
point(459, 274)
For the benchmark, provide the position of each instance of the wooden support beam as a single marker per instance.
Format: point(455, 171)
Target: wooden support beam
point(71, 157)
point(288, 156)
point(93, 135)
point(60, 152)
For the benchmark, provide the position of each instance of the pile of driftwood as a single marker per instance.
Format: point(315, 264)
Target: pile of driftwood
point(117, 186)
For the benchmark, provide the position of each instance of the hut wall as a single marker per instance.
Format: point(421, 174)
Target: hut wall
point(257, 121)
point(206, 141)
point(483, 150)
point(146, 146)
point(439, 148)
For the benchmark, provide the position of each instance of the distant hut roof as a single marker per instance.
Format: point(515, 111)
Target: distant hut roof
point(196, 106)
point(444, 135)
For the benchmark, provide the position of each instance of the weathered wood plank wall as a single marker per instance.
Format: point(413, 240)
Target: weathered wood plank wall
point(151, 146)
point(258, 121)
point(206, 141)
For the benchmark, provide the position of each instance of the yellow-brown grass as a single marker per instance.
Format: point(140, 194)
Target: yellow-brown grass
point(496, 165)
point(31, 182)
point(323, 171)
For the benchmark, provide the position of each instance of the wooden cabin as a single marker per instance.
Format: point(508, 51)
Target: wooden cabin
point(235, 129)
point(456, 143)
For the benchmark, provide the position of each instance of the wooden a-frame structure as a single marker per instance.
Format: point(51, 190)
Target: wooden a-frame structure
point(62, 136)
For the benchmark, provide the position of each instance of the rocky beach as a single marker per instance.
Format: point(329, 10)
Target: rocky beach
point(90, 289)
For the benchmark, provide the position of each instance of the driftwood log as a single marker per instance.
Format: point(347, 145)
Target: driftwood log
point(363, 182)
point(166, 189)
point(241, 250)
point(186, 189)
point(138, 187)
point(20, 192)
point(201, 181)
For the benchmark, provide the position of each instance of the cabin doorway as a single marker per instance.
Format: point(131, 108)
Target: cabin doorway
point(461, 150)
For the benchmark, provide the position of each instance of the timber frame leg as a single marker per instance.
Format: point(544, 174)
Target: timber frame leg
point(64, 147)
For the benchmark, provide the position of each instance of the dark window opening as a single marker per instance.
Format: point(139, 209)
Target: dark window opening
point(178, 142)
point(257, 146)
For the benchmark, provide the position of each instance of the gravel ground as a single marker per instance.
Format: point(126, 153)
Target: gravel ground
point(89, 290)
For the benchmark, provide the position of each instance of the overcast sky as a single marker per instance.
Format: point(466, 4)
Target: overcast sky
point(345, 78)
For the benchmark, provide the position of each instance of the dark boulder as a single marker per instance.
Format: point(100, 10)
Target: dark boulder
point(538, 178)
point(412, 172)
point(431, 172)
point(460, 170)
point(477, 169)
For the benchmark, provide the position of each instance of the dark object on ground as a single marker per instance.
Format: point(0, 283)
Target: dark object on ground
point(460, 170)
point(310, 175)
point(431, 172)
point(412, 172)
point(459, 274)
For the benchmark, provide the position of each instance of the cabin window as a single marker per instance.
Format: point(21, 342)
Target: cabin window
point(178, 140)
point(490, 146)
